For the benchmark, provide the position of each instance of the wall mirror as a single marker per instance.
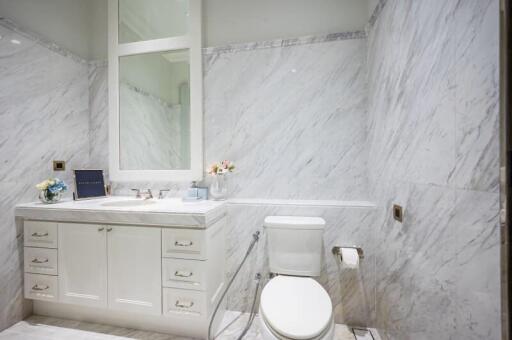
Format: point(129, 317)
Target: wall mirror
point(155, 90)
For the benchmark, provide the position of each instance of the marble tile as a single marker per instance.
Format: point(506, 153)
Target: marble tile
point(433, 139)
point(477, 88)
point(415, 267)
point(411, 93)
point(98, 118)
point(293, 119)
point(476, 220)
point(52, 125)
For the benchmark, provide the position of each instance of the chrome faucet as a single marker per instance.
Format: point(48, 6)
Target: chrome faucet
point(137, 193)
point(147, 194)
point(143, 194)
point(161, 194)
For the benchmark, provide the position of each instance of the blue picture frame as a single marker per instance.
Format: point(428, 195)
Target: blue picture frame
point(89, 184)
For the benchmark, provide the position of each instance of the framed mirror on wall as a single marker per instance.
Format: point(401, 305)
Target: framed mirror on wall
point(155, 90)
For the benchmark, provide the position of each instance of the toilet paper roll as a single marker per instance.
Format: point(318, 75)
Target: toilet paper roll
point(350, 257)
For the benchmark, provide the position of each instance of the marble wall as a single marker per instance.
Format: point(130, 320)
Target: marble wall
point(291, 117)
point(407, 116)
point(44, 114)
point(98, 117)
point(433, 148)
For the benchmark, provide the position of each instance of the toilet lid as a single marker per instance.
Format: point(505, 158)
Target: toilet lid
point(296, 307)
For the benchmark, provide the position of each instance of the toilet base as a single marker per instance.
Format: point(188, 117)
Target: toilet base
point(267, 334)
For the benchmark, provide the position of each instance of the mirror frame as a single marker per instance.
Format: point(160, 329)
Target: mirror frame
point(193, 42)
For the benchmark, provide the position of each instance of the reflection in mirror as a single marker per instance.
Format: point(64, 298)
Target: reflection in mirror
point(154, 111)
point(152, 19)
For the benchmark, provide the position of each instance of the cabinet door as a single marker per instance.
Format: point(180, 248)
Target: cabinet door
point(82, 257)
point(134, 269)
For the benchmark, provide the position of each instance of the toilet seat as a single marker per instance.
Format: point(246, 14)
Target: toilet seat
point(296, 307)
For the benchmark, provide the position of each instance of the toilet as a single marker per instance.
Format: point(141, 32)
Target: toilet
point(292, 304)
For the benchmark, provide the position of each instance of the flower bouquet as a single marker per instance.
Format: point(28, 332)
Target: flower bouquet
point(218, 188)
point(51, 190)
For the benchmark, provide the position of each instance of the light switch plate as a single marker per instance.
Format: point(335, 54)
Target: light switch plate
point(398, 213)
point(59, 165)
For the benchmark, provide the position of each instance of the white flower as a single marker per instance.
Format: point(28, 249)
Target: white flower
point(43, 185)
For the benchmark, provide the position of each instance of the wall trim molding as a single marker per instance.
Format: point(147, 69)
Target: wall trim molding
point(294, 202)
point(304, 40)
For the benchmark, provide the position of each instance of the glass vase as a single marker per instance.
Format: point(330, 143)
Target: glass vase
point(46, 196)
point(218, 188)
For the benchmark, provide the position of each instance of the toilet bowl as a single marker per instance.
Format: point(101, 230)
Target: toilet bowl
point(295, 308)
point(292, 304)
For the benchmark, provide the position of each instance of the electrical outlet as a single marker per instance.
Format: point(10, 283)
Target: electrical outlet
point(398, 213)
point(59, 165)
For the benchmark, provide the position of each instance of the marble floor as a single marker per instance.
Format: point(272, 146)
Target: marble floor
point(46, 328)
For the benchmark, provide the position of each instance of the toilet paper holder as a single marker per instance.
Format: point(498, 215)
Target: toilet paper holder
point(336, 251)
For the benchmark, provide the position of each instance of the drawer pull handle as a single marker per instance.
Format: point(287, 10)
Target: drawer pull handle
point(36, 287)
point(36, 260)
point(109, 230)
point(181, 273)
point(36, 234)
point(183, 243)
point(184, 304)
point(101, 228)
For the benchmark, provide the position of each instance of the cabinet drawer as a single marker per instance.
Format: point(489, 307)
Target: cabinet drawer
point(40, 261)
point(184, 302)
point(41, 287)
point(183, 243)
point(179, 273)
point(40, 234)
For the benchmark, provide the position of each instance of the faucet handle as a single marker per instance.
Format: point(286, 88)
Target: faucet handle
point(161, 193)
point(137, 192)
point(150, 193)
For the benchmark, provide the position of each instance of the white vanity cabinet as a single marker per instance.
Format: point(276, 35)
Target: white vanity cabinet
point(94, 264)
point(134, 273)
point(82, 264)
point(110, 266)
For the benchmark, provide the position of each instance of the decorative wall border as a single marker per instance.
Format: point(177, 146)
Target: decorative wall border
point(309, 39)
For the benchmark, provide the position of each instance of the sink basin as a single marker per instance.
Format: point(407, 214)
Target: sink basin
point(128, 203)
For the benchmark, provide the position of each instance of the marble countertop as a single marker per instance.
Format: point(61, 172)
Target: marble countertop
point(166, 212)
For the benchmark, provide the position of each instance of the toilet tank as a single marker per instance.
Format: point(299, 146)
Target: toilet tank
point(295, 244)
